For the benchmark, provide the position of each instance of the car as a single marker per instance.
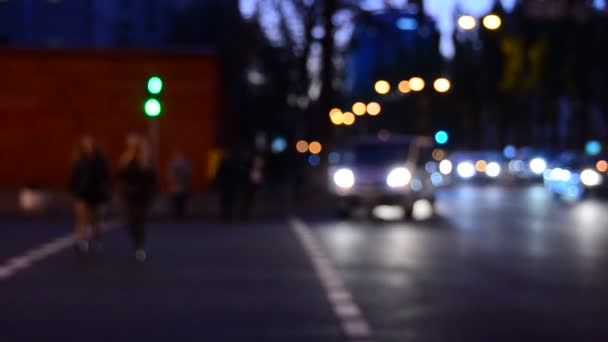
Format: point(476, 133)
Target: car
point(529, 164)
point(369, 171)
point(575, 176)
point(484, 166)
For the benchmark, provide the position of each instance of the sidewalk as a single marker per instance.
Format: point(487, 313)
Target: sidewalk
point(201, 205)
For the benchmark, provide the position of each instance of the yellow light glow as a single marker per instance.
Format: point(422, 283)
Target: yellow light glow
point(404, 87)
point(438, 154)
point(481, 165)
point(315, 147)
point(492, 22)
point(334, 111)
point(382, 87)
point(417, 84)
point(336, 118)
point(348, 118)
point(467, 22)
point(302, 146)
point(442, 85)
point(359, 108)
point(602, 166)
point(373, 108)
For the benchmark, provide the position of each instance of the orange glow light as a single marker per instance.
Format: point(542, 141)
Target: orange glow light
point(315, 147)
point(302, 146)
point(602, 166)
point(348, 118)
point(373, 108)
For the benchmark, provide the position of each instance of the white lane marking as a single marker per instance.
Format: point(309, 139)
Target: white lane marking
point(28, 259)
point(354, 324)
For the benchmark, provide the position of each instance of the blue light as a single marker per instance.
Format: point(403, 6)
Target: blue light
point(334, 157)
point(314, 160)
point(279, 144)
point(593, 148)
point(510, 151)
point(407, 24)
point(441, 137)
point(436, 179)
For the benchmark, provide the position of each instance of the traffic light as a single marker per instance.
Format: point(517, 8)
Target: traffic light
point(153, 106)
point(441, 137)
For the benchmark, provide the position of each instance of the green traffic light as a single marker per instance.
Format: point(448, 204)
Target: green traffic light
point(155, 85)
point(152, 108)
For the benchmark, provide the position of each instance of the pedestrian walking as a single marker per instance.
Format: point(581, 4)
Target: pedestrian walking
point(138, 184)
point(91, 188)
point(180, 183)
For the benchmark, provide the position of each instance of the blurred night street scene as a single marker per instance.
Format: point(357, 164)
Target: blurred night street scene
point(304, 170)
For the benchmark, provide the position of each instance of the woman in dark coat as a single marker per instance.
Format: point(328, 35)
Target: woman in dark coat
point(90, 185)
point(138, 185)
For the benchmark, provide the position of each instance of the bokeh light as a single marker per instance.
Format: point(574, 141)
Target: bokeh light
point(373, 108)
point(348, 118)
point(438, 154)
point(336, 117)
point(417, 84)
point(382, 87)
point(441, 137)
point(359, 108)
point(492, 22)
point(314, 160)
point(442, 85)
point(481, 166)
point(279, 144)
point(315, 147)
point(445, 167)
point(302, 146)
point(602, 166)
point(467, 22)
point(593, 148)
point(404, 87)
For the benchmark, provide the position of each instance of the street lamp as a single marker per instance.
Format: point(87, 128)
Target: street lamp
point(467, 22)
point(492, 22)
point(359, 108)
point(373, 108)
point(382, 87)
point(404, 87)
point(348, 118)
point(335, 115)
point(442, 85)
point(416, 84)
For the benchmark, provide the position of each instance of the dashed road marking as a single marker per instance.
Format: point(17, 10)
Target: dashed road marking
point(29, 258)
point(354, 324)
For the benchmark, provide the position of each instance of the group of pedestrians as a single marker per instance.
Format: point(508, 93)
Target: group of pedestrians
point(92, 187)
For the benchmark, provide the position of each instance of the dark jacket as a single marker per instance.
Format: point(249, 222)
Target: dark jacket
point(139, 184)
point(90, 179)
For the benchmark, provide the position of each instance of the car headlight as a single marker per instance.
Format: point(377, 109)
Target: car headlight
point(590, 177)
point(538, 165)
point(493, 170)
point(344, 178)
point(398, 177)
point(445, 167)
point(466, 170)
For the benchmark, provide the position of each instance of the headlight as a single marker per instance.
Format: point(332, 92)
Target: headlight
point(493, 169)
point(591, 178)
point(344, 178)
point(466, 170)
point(538, 165)
point(398, 177)
point(445, 167)
point(559, 174)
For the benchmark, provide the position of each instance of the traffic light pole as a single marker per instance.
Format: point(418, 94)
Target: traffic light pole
point(154, 133)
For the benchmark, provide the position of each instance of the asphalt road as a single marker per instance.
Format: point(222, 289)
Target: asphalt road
point(493, 264)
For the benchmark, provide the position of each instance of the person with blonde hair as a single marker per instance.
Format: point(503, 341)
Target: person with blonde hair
point(138, 186)
point(90, 185)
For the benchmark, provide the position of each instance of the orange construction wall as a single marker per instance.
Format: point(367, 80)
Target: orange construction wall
point(48, 99)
